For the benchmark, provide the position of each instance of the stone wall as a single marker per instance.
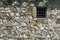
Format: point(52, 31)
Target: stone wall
point(22, 24)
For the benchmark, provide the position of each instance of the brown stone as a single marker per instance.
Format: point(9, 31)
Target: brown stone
point(58, 21)
point(8, 27)
point(9, 18)
point(19, 38)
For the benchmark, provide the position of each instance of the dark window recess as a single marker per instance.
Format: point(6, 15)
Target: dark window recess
point(41, 12)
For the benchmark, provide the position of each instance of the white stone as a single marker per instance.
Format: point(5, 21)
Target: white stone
point(49, 20)
point(8, 14)
point(17, 14)
point(18, 8)
point(30, 17)
point(58, 16)
point(35, 18)
point(2, 11)
point(23, 10)
point(1, 22)
point(46, 28)
point(23, 17)
point(24, 36)
point(23, 24)
point(32, 4)
point(11, 39)
point(0, 19)
point(18, 27)
point(40, 25)
point(36, 27)
point(12, 14)
point(15, 24)
point(1, 35)
point(15, 2)
point(1, 8)
point(24, 4)
point(1, 39)
point(4, 20)
point(7, 9)
point(16, 18)
point(42, 28)
point(48, 36)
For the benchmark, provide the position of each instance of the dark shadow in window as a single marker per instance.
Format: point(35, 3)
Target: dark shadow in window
point(41, 12)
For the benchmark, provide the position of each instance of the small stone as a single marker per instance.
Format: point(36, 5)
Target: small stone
point(1, 8)
point(36, 27)
point(58, 16)
point(8, 14)
point(0, 19)
point(24, 4)
point(16, 18)
point(42, 28)
point(6, 8)
point(32, 4)
point(23, 24)
point(46, 28)
point(58, 21)
point(1, 39)
point(9, 18)
point(23, 17)
point(11, 39)
point(19, 38)
point(23, 11)
point(1, 35)
point(17, 14)
point(12, 14)
point(15, 23)
point(48, 36)
point(1, 22)
point(49, 20)
point(4, 20)
point(18, 8)
point(30, 17)
point(35, 18)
